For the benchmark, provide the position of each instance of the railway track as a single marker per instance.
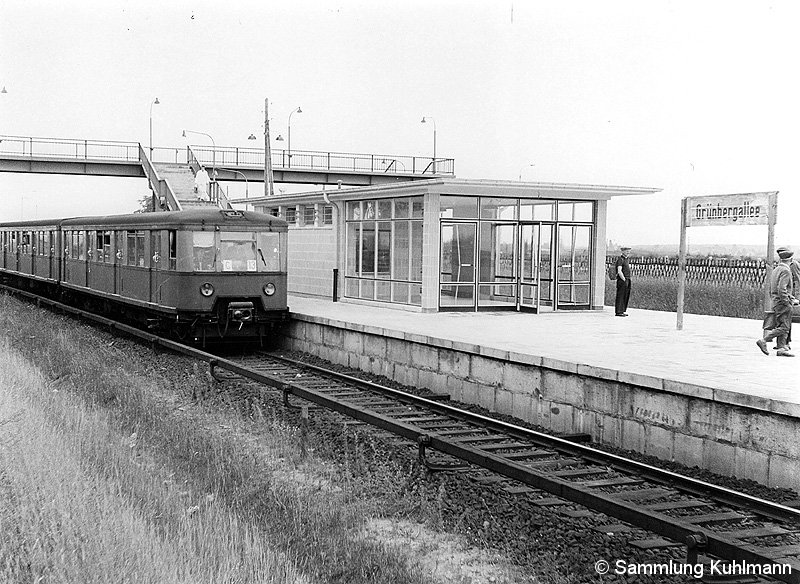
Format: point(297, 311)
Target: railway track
point(741, 530)
point(709, 519)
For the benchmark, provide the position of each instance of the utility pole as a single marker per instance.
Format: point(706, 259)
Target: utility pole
point(268, 188)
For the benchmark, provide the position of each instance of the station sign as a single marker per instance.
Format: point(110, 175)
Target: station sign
point(724, 210)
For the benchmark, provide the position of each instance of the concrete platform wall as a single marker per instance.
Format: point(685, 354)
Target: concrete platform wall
point(674, 422)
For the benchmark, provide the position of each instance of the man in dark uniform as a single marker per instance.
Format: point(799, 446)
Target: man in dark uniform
point(780, 291)
point(623, 282)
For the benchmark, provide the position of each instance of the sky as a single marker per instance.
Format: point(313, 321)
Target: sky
point(695, 98)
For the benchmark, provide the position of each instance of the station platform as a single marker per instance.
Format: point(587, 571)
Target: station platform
point(717, 354)
point(703, 396)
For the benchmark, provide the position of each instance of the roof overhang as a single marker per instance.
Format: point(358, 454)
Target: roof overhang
point(466, 187)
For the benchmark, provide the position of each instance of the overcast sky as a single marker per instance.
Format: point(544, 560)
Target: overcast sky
point(692, 97)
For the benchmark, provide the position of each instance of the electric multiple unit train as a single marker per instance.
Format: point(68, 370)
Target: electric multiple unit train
point(199, 275)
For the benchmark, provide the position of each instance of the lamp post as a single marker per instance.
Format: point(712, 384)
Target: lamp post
point(425, 121)
point(155, 102)
point(523, 168)
point(213, 146)
point(289, 136)
point(246, 183)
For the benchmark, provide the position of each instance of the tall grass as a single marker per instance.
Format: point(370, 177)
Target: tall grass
point(80, 503)
point(699, 298)
point(150, 472)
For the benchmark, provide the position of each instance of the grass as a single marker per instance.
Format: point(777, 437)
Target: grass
point(699, 298)
point(192, 500)
point(80, 503)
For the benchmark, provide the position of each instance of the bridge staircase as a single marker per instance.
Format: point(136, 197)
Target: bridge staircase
point(173, 184)
point(181, 180)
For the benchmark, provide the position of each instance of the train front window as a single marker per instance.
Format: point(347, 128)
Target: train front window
point(270, 258)
point(238, 252)
point(204, 252)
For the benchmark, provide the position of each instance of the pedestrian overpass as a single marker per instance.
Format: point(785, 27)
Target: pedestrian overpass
point(170, 171)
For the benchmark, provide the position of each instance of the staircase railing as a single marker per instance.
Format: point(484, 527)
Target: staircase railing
point(167, 201)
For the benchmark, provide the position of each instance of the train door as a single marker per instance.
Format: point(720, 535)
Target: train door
point(119, 258)
point(156, 274)
point(91, 257)
point(52, 246)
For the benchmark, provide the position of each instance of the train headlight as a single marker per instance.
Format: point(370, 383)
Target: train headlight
point(269, 289)
point(206, 289)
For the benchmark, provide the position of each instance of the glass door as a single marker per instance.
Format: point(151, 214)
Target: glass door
point(528, 290)
point(457, 266)
point(497, 266)
point(535, 284)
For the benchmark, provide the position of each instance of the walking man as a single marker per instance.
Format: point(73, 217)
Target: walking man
point(780, 290)
point(623, 282)
point(201, 183)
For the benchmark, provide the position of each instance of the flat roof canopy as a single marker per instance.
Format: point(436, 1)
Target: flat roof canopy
point(467, 187)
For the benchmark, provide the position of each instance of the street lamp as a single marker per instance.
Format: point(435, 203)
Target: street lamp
point(523, 168)
point(156, 102)
point(246, 184)
point(213, 146)
point(3, 90)
point(289, 142)
point(425, 121)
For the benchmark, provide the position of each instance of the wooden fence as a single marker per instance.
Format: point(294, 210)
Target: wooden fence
point(723, 272)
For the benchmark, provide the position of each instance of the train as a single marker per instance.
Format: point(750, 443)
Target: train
point(202, 275)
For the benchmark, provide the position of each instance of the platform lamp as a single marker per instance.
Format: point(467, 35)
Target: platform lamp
point(3, 90)
point(425, 121)
point(154, 102)
point(289, 135)
point(213, 146)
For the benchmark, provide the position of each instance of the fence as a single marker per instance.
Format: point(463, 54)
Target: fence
point(722, 272)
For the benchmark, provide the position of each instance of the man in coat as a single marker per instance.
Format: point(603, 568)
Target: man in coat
point(623, 282)
point(780, 291)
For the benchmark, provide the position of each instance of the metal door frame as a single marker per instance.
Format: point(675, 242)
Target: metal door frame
point(473, 308)
point(519, 267)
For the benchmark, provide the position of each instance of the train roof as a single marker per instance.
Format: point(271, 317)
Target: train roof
point(165, 219)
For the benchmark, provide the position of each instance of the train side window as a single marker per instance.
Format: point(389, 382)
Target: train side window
point(104, 247)
point(25, 245)
point(81, 239)
point(136, 248)
point(119, 245)
point(173, 249)
point(204, 253)
point(13, 245)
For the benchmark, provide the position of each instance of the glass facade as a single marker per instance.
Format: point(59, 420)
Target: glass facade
point(383, 258)
point(498, 253)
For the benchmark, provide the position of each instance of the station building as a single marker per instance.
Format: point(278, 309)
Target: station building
point(451, 244)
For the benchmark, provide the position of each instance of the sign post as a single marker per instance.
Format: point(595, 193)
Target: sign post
point(726, 210)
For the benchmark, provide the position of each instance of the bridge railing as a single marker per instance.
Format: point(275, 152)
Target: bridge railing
point(303, 160)
point(31, 147)
point(311, 160)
